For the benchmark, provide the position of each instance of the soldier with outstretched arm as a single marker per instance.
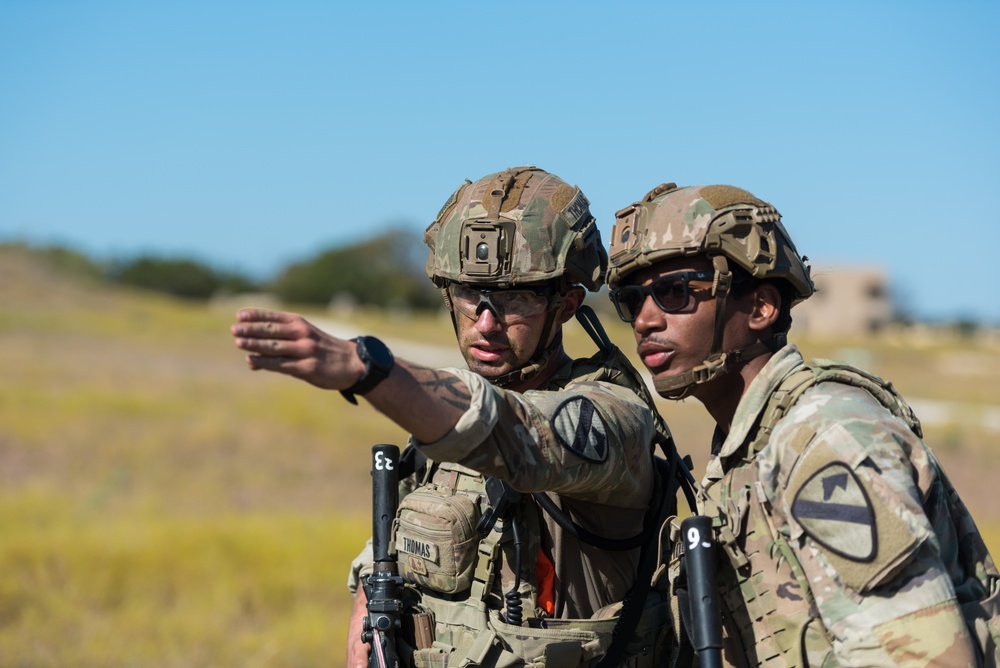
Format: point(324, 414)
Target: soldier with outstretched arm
point(523, 427)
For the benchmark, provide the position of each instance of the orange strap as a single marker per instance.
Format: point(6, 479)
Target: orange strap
point(545, 573)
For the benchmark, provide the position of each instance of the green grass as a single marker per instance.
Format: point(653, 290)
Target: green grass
point(80, 589)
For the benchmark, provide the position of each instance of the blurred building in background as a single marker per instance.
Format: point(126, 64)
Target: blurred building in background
point(848, 301)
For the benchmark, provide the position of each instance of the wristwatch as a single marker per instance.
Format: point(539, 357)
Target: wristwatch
point(378, 362)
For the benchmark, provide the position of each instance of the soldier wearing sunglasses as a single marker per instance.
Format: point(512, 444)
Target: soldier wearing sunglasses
point(845, 544)
point(534, 568)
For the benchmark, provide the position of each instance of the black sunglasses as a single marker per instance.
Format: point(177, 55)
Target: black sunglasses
point(671, 293)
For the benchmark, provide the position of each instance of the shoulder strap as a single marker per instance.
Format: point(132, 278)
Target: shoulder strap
point(780, 402)
point(882, 390)
point(821, 371)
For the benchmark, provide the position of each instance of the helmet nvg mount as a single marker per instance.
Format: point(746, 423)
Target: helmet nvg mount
point(730, 227)
point(522, 227)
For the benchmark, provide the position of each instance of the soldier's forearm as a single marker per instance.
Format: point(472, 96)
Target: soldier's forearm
point(425, 402)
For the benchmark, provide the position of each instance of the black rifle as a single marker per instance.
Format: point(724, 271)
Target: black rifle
point(384, 585)
point(705, 627)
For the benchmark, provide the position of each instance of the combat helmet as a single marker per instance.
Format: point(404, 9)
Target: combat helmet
point(728, 225)
point(519, 228)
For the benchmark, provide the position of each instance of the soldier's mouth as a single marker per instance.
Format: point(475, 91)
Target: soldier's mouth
point(654, 356)
point(488, 353)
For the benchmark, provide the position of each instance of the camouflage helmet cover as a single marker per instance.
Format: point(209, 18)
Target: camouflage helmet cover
point(519, 226)
point(706, 220)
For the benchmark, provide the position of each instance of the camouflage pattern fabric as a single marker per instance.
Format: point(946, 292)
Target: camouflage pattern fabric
point(715, 220)
point(541, 231)
point(586, 438)
point(848, 545)
point(588, 441)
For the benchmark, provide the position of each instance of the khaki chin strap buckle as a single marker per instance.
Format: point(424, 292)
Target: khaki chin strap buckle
point(721, 284)
point(520, 375)
point(678, 387)
point(723, 281)
point(713, 367)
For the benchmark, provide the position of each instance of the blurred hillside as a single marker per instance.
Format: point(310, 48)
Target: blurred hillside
point(387, 270)
point(162, 505)
point(384, 270)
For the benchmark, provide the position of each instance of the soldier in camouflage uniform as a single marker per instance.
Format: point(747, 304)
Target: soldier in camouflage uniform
point(513, 254)
point(843, 541)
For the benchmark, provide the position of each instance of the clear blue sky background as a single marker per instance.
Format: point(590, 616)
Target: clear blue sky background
point(251, 134)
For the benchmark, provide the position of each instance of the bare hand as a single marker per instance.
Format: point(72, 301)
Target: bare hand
point(357, 651)
point(288, 343)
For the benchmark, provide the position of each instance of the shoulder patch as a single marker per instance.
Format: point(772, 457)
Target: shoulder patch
point(834, 509)
point(849, 515)
point(578, 427)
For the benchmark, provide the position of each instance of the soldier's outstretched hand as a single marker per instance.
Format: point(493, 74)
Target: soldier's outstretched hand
point(288, 343)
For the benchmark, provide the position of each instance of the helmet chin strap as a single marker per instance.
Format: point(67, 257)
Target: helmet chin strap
point(718, 363)
point(533, 366)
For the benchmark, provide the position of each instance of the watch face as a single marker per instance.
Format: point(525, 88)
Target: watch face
point(375, 354)
point(378, 363)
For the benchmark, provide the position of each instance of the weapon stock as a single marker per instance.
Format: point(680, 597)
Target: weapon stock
point(383, 586)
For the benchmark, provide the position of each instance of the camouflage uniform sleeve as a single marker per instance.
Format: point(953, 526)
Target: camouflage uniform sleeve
point(590, 440)
point(853, 501)
point(361, 567)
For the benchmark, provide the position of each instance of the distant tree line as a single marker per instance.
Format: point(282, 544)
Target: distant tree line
point(386, 270)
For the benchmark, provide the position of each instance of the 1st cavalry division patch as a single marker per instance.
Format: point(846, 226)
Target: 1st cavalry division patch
point(834, 509)
point(858, 530)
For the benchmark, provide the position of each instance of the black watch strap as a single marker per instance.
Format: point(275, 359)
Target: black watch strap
point(378, 362)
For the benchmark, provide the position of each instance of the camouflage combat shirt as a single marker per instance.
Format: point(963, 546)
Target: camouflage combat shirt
point(586, 440)
point(847, 545)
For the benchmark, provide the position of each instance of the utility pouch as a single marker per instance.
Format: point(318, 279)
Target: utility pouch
point(436, 539)
point(423, 630)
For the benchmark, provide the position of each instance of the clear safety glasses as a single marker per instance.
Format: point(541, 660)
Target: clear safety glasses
point(508, 306)
point(670, 292)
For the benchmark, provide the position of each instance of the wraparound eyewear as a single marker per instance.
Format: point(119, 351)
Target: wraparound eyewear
point(506, 305)
point(671, 293)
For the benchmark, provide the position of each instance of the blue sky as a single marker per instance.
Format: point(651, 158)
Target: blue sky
point(252, 134)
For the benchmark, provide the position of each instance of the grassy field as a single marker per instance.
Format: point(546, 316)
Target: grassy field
point(160, 505)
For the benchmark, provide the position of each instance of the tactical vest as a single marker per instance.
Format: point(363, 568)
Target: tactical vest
point(466, 582)
point(769, 613)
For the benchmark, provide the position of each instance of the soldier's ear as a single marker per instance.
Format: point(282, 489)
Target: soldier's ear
point(571, 303)
point(765, 306)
